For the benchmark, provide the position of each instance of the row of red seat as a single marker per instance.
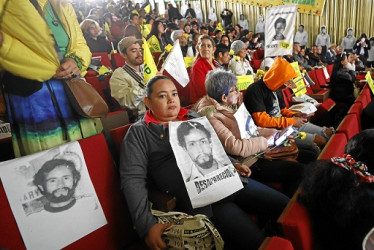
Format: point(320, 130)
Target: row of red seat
point(295, 221)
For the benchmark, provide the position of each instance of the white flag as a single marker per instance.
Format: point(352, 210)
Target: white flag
point(174, 65)
point(279, 30)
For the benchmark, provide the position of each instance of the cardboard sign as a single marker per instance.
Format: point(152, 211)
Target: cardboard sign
point(299, 81)
point(244, 82)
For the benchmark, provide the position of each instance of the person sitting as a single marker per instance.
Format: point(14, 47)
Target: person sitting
point(179, 35)
point(239, 65)
point(203, 64)
point(127, 83)
point(156, 38)
point(133, 29)
point(222, 56)
point(303, 63)
point(314, 59)
point(338, 194)
point(219, 106)
point(95, 41)
point(322, 56)
point(264, 100)
point(147, 159)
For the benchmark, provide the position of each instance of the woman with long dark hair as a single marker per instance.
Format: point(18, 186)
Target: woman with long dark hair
point(342, 80)
point(156, 38)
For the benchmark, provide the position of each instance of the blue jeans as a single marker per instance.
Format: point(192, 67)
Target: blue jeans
point(231, 216)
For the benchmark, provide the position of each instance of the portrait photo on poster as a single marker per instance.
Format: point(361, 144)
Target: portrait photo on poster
point(207, 171)
point(279, 30)
point(52, 197)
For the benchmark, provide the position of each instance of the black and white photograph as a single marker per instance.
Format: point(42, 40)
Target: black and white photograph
point(279, 30)
point(52, 197)
point(247, 126)
point(206, 169)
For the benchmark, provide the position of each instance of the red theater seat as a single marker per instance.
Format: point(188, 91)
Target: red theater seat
point(296, 224)
point(335, 147)
point(321, 78)
point(356, 109)
point(276, 243)
point(117, 135)
point(349, 126)
point(104, 58)
point(362, 98)
point(257, 64)
point(117, 60)
point(330, 68)
point(117, 234)
point(258, 54)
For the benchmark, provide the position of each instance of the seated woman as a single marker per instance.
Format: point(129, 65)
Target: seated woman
point(264, 100)
point(239, 65)
point(339, 195)
point(342, 80)
point(219, 106)
point(203, 64)
point(148, 159)
point(156, 39)
point(95, 41)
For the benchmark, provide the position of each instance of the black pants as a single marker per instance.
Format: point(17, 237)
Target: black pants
point(288, 173)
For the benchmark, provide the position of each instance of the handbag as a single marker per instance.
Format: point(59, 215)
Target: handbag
point(189, 231)
point(84, 99)
point(286, 153)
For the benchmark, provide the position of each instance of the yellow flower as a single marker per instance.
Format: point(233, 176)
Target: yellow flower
point(231, 52)
point(301, 135)
point(168, 48)
point(304, 71)
point(185, 35)
point(260, 73)
point(237, 58)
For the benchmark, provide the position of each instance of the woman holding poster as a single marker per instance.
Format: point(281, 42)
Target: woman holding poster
point(147, 158)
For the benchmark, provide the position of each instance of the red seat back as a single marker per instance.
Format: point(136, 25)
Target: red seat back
point(349, 126)
point(321, 78)
point(118, 134)
point(257, 64)
point(117, 234)
point(313, 76)
point(335, 147)
point(362, 98)
point(118, 60)
point(104, 58)
point(276, 243)
point(101, 85)
point(329, 69)
point(258, 54)
point(296, 225)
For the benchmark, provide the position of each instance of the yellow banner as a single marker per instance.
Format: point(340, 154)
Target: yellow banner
point(150, 68)
point(244, 82)
point(299, 81)
point(314, 7)
point(188, 61)
point(370, 81)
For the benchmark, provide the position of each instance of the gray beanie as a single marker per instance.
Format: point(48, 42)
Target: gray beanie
point(237, 46)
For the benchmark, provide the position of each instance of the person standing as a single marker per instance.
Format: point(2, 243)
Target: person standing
point(226, 16)
point(323, 40)
point(190, 12)
point(301, 37)
point(39, 111)
point(243, 22)
point(362, 47)
point(348, 41)
point(260, 26)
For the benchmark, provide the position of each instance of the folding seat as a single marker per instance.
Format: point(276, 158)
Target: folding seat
point(321, 78)
point(104, 59)
point(349, 126)
point(101, 85)
point(258, 54)
point(296, 225)
point(362, 98)
point(357, 109)
point(276, 243)
point(256, 64)
point(329, 69)
point(334, 147)
point(117, 60)
point(117, 234)
point(117, 135)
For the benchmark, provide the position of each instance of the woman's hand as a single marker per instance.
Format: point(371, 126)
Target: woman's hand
point(153, 239)
point(67, 69)
point(242, 169)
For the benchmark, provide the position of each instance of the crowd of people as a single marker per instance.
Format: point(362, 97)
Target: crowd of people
point(41, 116)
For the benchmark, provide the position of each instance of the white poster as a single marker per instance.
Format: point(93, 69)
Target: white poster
point(247, 126)
point(208, 173)
point(174, 65)
point(279, 30)
point(52, 197)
